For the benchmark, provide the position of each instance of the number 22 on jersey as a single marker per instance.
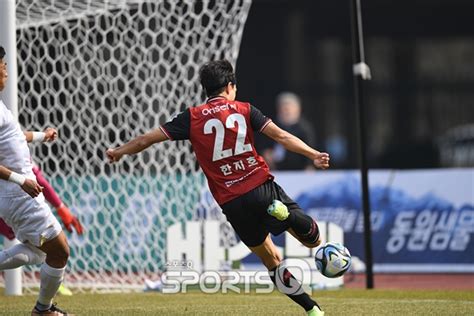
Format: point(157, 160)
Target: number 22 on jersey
point(240, 146)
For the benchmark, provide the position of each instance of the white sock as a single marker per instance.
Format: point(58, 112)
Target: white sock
point(51, 279)
point(20, 255)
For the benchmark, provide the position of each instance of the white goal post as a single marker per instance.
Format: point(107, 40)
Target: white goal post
point(102, 72)
point(13, 279)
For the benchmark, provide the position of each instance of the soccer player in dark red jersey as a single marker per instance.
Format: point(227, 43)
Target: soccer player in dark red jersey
point(221, 132)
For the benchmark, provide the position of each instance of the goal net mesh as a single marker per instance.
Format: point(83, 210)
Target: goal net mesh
point(102, 72)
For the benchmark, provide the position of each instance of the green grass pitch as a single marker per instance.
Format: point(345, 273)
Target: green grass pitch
point(341, 302)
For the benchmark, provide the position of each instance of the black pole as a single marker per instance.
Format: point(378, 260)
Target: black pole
point(361, 73)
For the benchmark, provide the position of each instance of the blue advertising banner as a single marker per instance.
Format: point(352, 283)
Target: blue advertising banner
point(422, 221)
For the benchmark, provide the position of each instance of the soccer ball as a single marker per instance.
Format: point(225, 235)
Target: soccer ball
point(333, 260)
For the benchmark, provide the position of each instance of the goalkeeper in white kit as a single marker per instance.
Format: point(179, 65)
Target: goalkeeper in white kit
point(23, 208)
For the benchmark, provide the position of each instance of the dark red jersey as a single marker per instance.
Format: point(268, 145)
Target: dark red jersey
point(222, 135)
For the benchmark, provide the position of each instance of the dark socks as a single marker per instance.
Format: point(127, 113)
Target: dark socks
point(41, 307)
point(288, 285)
point(304, 226)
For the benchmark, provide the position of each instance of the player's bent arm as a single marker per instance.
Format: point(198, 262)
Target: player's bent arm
point(28, 185)
point(5, 174)
point(294, 144)
point(137, 145)
point(289, 141)
point(48, 135)
point(33, 136)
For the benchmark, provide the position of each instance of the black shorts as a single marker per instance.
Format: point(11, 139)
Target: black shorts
point(248, 213)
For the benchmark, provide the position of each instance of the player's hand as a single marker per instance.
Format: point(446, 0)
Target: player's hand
point(77, 225)
point(69, 220)
point(113, 155)
point(74, 222)
point(32, 188)
point(321, 160)
point(50, 134)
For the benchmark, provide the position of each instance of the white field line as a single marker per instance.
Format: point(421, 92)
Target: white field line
point(358, 299)
point(405, 301)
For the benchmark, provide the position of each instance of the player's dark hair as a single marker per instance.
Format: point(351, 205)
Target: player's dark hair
point(215, 75)
point(2, 52)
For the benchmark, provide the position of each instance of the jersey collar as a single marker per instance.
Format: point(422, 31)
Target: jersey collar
point(218, 97)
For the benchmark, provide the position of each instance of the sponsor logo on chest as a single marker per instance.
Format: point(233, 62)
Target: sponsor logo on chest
point(219, 108)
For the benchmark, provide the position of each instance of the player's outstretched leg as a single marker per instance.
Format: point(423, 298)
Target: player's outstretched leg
point(283, 278)
point(302, 226)
point(51, 275)
point(20, 255)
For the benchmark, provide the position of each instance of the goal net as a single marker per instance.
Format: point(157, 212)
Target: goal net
point(102, 72)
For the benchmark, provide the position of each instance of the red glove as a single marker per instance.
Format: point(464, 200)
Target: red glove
point(69, 220)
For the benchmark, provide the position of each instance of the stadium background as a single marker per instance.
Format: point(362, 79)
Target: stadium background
point(419, 100)
point(419, 103)
point(420, 53)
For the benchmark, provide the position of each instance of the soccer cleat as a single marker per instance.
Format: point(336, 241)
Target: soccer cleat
point(52, 311)
point(278, 210)
point(153, 285)
point(316, 311)
point(62, 290)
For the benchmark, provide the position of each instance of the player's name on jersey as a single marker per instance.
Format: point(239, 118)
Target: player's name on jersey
point(238, 165)
point(219, 108)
